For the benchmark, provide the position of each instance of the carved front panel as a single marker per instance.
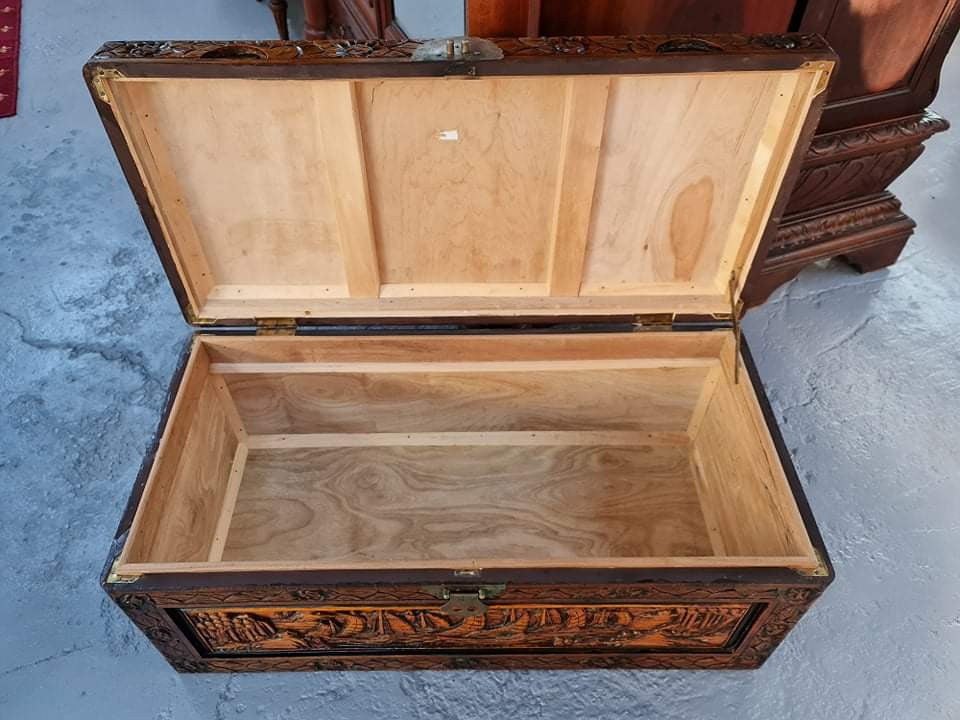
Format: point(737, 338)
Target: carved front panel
point(514, 627)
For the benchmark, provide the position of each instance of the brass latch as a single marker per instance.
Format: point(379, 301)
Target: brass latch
point(457, 48)
point(276, 326)
point(661, 321)
point(736, 310)
point(100, 77)
point(464, 602)
point(115, 578)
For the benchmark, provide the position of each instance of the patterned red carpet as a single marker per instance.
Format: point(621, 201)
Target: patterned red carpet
point(9, 55)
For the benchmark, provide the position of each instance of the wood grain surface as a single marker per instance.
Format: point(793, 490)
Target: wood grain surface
point(648, 400)
point(459, 347)
point(180, 522)
point(430, 503)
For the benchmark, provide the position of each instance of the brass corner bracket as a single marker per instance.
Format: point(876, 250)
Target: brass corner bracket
point(100, 78)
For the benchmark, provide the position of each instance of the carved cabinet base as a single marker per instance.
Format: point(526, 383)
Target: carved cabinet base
point(840, 206)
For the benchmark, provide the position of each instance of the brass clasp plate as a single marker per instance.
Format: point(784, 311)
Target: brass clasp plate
point(464, 602)
point(276, 326)
point(457, 48)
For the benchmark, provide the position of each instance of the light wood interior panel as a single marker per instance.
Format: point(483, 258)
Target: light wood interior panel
point(251, 163)
point(461, 503)
point(460, 176)
point(178, 517)
point(412, 402)
point(696, 346)
point(739, 476)
point(451, 196)
point(712, 127)
point(576, 465)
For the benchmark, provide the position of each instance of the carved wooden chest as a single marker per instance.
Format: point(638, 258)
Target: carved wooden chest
point(467, 388)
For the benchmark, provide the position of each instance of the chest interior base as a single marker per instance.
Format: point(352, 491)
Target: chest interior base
point(606, 450)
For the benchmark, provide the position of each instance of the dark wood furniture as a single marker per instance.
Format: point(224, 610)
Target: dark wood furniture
point(351, 19)
point(443, 409)
point(279, 10)
point(873, 127)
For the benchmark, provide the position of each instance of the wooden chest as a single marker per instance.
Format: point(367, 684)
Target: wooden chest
point(467, 388)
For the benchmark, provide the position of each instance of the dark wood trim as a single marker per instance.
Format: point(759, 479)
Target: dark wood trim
point(579, 55)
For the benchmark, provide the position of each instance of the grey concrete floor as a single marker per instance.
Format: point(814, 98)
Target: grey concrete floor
point(863, 372)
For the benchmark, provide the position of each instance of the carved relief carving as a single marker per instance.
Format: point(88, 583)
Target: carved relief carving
point(913, 129)
point(362, 594)
point(300, 50)
point(565, 661)
point(850, 177)
point(155, 623)
point(853, 163)
point(820, 229)
point(786, 604)
point(273, 630)
point(783, 615)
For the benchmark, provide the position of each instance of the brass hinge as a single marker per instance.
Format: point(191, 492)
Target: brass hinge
point(643, 323)
point(464, 602)
point(276, 326)
point(115, 578)
point(194, 320)
point(820, 570)
point(100, 77)
point(736, 311)
point(825, 69)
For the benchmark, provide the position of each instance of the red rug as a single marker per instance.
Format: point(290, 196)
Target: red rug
point(9, 55)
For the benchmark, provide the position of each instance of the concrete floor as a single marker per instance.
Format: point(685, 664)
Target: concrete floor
point(863, 372)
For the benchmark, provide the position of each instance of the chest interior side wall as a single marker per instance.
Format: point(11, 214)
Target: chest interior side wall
point(443, 451)
point(298, 198)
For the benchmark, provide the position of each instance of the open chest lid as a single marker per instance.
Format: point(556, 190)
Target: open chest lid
point(331, 181)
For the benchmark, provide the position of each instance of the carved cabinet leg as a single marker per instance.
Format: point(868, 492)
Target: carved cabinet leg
point(876, 256)
point(315, 19)
point(279, 10)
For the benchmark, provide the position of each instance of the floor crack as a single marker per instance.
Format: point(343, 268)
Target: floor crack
point(49, 658)
point(131, 360)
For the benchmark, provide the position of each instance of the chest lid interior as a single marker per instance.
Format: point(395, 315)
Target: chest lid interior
point(332, 181)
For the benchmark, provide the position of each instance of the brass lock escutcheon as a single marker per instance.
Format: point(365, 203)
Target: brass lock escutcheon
point(464, 602)
point(457, 48)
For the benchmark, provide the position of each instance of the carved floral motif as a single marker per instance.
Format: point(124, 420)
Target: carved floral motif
point(515, 592)
point(293, 51)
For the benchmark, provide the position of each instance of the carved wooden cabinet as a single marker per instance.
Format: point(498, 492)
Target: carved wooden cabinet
point(456, 398)
point(351, 19)
point(873, 127)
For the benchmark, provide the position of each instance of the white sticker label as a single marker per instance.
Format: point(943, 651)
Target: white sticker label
point(450, 135)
